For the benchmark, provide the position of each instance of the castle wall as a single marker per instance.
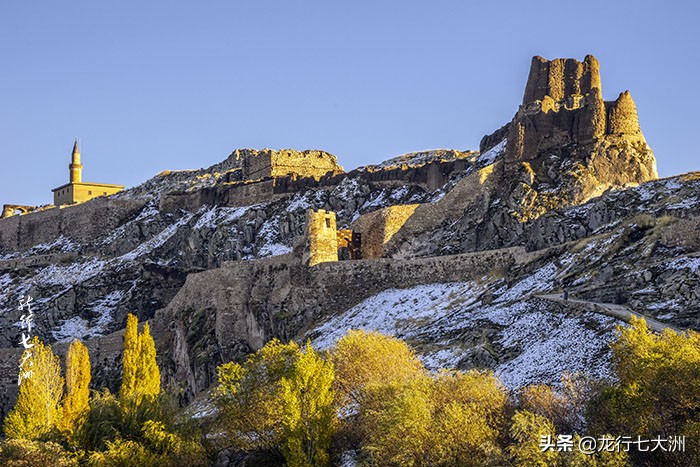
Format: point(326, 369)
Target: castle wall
point(282, 163)
point(80, 223)
point(622, 116)
point(563, 104)
point(429, 176)
point(378, 227)
point(343, 284)
point(561, 77)
point(35, 261)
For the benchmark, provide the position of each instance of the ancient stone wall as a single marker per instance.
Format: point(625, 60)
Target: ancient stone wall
point(346, 283)
point(35, 261)
point(9, 210)
point(269, 163)
point(80, 223)
point(560, 78)
point(622, 116)
point(378, 227)
point(349, 245)
point(563, 104)
point(429, 176)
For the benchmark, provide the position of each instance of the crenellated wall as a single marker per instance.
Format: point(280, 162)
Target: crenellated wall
point(561, 78)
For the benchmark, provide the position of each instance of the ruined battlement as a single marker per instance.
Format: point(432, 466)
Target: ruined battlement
point(430, 176)
point(286, 162)
point(9, 210)
point(80, 223)
point(561, 78)
point(563, 105)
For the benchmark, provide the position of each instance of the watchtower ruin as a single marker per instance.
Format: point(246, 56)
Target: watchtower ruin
point(325, 243)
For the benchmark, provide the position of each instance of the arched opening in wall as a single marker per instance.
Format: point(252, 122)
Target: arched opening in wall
point(343, 254)
point(18, 212)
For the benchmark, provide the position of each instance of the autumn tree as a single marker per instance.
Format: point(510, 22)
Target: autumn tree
point(279, 400)
point(658, 393)
point(249, 397)
point(363, 359)
point(76, 401)
point(36, 411)
point(452, 418)
point(130, 357)
point(527, 431)
point(140, 374)
point(309, 417)
point(148, 373)
point(397, 413)
point(565, 405)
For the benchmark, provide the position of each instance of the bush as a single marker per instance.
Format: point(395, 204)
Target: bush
point(26, 453)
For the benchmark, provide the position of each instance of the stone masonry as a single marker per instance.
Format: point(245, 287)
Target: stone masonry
point(268, 163)
point(322, 238)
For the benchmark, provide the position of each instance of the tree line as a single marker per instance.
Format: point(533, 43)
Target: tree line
point(369, 398)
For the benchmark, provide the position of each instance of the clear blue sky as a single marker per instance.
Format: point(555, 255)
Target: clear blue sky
point(154, 85)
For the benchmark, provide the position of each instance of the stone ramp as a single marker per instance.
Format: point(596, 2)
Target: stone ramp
point(620, 312)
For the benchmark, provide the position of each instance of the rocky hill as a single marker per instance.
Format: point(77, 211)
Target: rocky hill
point(458, 252)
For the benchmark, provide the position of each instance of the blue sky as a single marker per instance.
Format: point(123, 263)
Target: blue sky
point(150, 86)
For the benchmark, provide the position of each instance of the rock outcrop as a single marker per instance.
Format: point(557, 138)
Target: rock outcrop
point(565, 144)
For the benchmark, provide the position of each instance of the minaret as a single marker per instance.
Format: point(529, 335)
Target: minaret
point(76, 168)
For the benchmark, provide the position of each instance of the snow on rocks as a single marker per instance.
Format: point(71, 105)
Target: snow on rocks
point(490, 156)
point(437, 318)
point(157, 241)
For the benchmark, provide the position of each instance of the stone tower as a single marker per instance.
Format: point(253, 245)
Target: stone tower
point(76, 168)
point(321, 236)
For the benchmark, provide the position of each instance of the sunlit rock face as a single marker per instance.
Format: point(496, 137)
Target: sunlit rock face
point(566, 144)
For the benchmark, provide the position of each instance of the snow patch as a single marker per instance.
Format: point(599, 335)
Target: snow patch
point(157, 241)
point(69, 275)
point(490, 156)
point(438, 319)
point(81, 328)
point(537, 282)
point(684, 263)
point(274, 249)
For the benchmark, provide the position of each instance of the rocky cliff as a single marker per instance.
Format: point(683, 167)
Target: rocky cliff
point(564, 146)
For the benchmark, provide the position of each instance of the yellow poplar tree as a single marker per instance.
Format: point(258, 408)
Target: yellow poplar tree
point(130, 357)
point(141, 376)
point(147, 373)
point(75, 403)
point(37, 408)
point(308, 413)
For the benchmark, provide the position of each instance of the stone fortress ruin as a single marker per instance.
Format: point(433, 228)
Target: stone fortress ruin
point(210, 300)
